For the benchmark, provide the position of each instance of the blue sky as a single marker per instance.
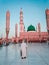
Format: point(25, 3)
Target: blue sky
point(33, 13)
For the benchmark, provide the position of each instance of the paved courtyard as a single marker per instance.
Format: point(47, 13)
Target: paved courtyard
point(37, 54)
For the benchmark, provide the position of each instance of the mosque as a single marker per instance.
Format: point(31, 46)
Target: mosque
point(32, 35)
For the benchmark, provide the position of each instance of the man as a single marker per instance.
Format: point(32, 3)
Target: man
point(23, 50)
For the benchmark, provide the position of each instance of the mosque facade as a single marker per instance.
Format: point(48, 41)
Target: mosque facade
point(31, 35)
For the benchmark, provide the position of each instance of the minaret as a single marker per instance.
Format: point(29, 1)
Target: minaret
point(47, 22)
point(7, 25)
point(16, 30)
point(47, 19)
point(39, 32)
point(39, 27)
point(21, 21)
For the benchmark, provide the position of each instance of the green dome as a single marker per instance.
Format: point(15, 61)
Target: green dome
point(31, 28)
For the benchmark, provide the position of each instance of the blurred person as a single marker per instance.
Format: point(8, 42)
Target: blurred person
point(23, 50)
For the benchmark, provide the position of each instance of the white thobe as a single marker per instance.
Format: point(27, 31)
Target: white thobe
point(23, 49)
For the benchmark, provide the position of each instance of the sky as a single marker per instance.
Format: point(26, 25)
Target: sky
point(33, 13)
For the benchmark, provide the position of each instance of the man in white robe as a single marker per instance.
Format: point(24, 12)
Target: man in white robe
point(23, 49)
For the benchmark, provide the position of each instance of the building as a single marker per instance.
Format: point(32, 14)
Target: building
point(31, 35)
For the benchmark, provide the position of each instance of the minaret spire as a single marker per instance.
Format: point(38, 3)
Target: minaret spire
point(21, 21)
point(21, 16)
point(7, 25)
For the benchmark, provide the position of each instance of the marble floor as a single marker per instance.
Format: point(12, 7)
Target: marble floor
point(37, 54)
